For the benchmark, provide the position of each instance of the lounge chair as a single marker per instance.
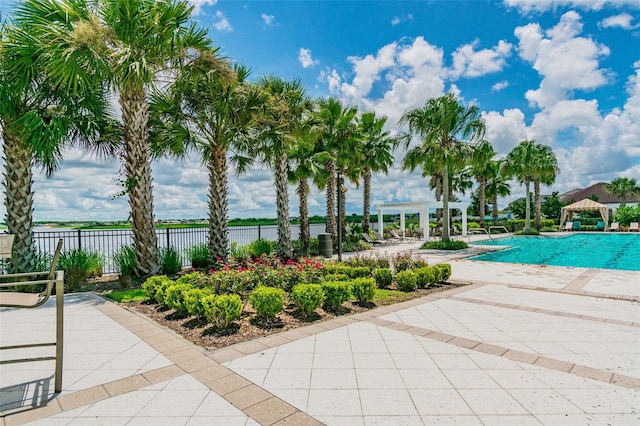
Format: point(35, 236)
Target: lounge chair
point(615, 226)
point(633, 227)
point(399, 237)
point(599, 226)
point(370, 240)
point(576, 226)
point(381, 238)
point(10, 298)
point(568, 226)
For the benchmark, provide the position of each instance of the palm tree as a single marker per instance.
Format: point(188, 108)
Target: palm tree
point(377, 147)
point(129, 45)
point(481, 165)
point(623, 187)
point(286, 107)
point(38, 122)
point(520, 162)
point(497, 186)
point(335, 124)
point(213, 110)
point(439, 124)
point(546, 169)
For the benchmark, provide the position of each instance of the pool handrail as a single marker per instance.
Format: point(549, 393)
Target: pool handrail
point(474, 231)
point(499, 227)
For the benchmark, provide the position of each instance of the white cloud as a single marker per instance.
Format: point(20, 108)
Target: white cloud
point(267, 19)
point(398, 19)
point(622, 20)
point(565, 60)
point(538, 6)
point(505, 130)
point(197, 5)
point(222, 23)
point(304, 56)
point(470, 63)
point(395, 21)
point(499, 86)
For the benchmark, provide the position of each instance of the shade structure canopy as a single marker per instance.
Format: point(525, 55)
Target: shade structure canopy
point(585, 205)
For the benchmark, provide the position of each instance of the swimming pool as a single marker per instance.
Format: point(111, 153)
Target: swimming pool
point(588, 250)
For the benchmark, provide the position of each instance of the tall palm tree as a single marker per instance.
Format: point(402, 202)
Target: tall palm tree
point(335, 124)
point(497, 186)
point(441, 124)
point(623, 187)
point(287, 105)
point(129, 45)
point(38, 122)
point(546, 170)
point(377, 147)
point(481, 165)
point(520, 162)
point(213, 110)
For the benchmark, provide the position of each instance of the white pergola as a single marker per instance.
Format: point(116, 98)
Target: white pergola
point(423, 208)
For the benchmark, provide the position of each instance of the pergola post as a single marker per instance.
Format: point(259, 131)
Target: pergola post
point(402, 222)
point(380, 220)
point(464, 222)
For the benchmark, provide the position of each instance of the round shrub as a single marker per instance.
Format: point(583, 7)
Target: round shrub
point(154, 287)
point(443, 271)
point(267, 301)
point(336, 277)
point(193, 301)
point(174, 298)
point(196, 279)
point(383, 277)
point(363, 289)
point(424, 277)
point(406, 280)
point(308, 297)
point(336, 293)
point(222, 310)
point(359, 272)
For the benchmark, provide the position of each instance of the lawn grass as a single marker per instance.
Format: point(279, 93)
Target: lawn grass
point(387, 297)
point(124, 296)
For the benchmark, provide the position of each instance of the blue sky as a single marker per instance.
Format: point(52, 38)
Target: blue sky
point(563, 72)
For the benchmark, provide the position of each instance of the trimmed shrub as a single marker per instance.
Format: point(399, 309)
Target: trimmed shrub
point(193, 301)
point(424, 277)
point(260, 247)
point(222, 310)
point(199, 255)
point(174, 297)
point(267, 301)
point(308, 297)
point(406, 280)
point(448, 245)
point(363, 289)
point(336, 277)
point(337, 268)
point(359, 272)
point(383, 277)
point(152, 284)
point(170, 260)
point(443, 271)
point(336, 293)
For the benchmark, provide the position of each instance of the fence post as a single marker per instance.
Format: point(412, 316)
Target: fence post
point(79, 239)
point(259, 232)
point(168, 239)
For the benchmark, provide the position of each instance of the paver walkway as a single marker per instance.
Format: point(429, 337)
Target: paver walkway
point(520, 345)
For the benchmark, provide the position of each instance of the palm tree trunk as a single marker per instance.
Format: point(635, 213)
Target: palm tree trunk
point(482, 197)
point(495, 209)
point(282, 207)
point(135, 117)
point(343, 207)
point(218, 204)
point(18, 180)
point(305, 234)
point(536, 197)
point(366, 207)
point(445, 203)
point(331, 199)
point(527, 214)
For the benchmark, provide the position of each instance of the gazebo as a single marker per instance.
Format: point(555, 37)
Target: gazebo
point(423, 208)
point(585, 205)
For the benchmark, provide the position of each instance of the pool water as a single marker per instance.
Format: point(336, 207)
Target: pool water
point(587, 250)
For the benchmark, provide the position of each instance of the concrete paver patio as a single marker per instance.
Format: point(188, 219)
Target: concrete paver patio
point(521, 345)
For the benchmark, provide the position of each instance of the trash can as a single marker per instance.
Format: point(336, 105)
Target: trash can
point(325, 245)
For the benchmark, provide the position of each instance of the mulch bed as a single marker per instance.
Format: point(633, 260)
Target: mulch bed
point(249, 327)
